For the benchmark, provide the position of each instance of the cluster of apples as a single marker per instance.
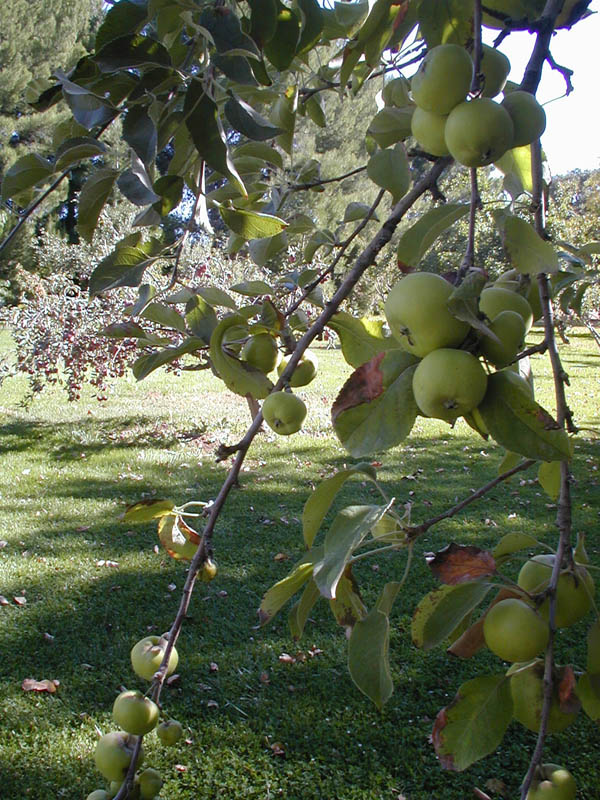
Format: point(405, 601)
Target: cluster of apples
point(136, 715)
point(283, 412)
point(476, 131)
point(450, 382)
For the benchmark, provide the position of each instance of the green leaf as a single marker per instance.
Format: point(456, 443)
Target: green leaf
point(361, 338)
point(442, 610)
point(347, 531)
point(263, 250)
point(252, 288)
point(356, 211)
point(25, 173)
point(164, 316)
point(226, 31)
point(447, 22)
point(239, 376)
point(92, 198)
point(300, 223)
point(205, 128)
point(368, 660)
point(390, 170)
point(314, 109)
point(513, 543)
point(317, 240)
point(515, 164)
point(588, 691)
point(131, 51)
point(391, 125)
point(350, 16)
point(528, 252)
point(311, 15)
point(124, 330)
point(299, 612)
point(139, 131)
point(278, 595)
point(216, 297)
point(125, 266)
point(473, 725)
point(261, 150)
point(376, 408)
point(243, 118)
point(549, 478)
point(417, 240)
point(201, 318)
point(347, 605)
point(319, 502)
point(252, 224)
point(123, 16)
point(74, 150)
point(89, 109)
point(509, 461)
point(281, 48)
point(463, 303)
point(146, 364)
point(169, 188)
point(519, 424)
point(147, 510)
point(135, 183)
point(283, 114)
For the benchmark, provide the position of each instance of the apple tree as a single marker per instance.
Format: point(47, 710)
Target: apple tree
point(206, 96)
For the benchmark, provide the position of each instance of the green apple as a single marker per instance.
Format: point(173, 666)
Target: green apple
point(513, 280)
point(283, 412)
point(513, 375)
point(113, 754)
point(147, 656)
point(527, 689)
point(574, 591)
point(449, 383)
point(170, 732)
point(552, 782)
point(98, 794)
point(305, 371)
point(528, 117)
point(113, 788)
point(514, 631)
point(478, 132)
point(495, 299)
point(261, 351)
point(443, 79)
point(135, 713)
point(495, 67)
point(150, 782)
point(428, 129)
point(416, 310)
point(510, 330)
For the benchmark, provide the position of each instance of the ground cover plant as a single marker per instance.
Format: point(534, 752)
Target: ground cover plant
point(200, 95)
point(260, 724)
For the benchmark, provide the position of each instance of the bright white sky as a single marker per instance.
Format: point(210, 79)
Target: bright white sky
point(572, 137)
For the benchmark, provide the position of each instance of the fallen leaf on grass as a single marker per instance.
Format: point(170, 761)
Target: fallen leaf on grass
point(3, 601)
point(280, 557)
point(264, 678)
point(286, 658)
point(31, 685)
point(20, 601)
point(181, 768)
point(278, 749)
point(173, 679)
point(214, 667)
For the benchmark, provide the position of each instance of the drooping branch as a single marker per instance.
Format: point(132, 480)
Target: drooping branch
point(300, 187)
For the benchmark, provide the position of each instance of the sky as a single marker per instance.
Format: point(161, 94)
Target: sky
point(572, 137)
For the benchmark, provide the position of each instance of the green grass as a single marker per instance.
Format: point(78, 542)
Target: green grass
point(69, 469)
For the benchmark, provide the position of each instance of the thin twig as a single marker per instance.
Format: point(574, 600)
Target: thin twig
point(300, 187)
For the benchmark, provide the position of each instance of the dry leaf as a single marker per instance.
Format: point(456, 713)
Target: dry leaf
point(171, 587)
point(214, 667)
point(458, 563)
point(181, 768)
point(264, 678)
point(222, 593)
point(278, 749)
point(286, 658)
point(314, 651)
point(3, 601)
point(48, 637)
point(20, 601)
point(212, 704)
point(31, 685)
point(280, 557)
point(3, 543)
point(496, 786)
point(173, 679)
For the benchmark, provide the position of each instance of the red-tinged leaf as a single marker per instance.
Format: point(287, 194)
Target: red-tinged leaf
point(567, 698)
point(31, 685)
point(473, 725)
point(363, 386)
point(458, 563)
point(179, 540)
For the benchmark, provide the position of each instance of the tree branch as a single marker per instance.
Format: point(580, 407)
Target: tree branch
point(299, 187)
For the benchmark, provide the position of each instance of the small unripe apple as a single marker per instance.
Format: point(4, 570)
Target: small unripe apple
point(495, 299)
point(305, 372)
point(113, 754)
point(552, 782)
point(478, 132)
point(98, 794)
point(283, 412)
point(514, 631)
point(429, 131)
point(261, 351)
point(147, 656)
point(574, 592)
point(510, 330)
point(443, 79)
point(170, 732)
point(495, 67)
point(528, 117)
point(448, 383)
point(150, 782)
point(135, 713)
point(417, 312)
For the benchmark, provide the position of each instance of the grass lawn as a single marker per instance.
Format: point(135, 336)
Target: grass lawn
point(256, 726)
